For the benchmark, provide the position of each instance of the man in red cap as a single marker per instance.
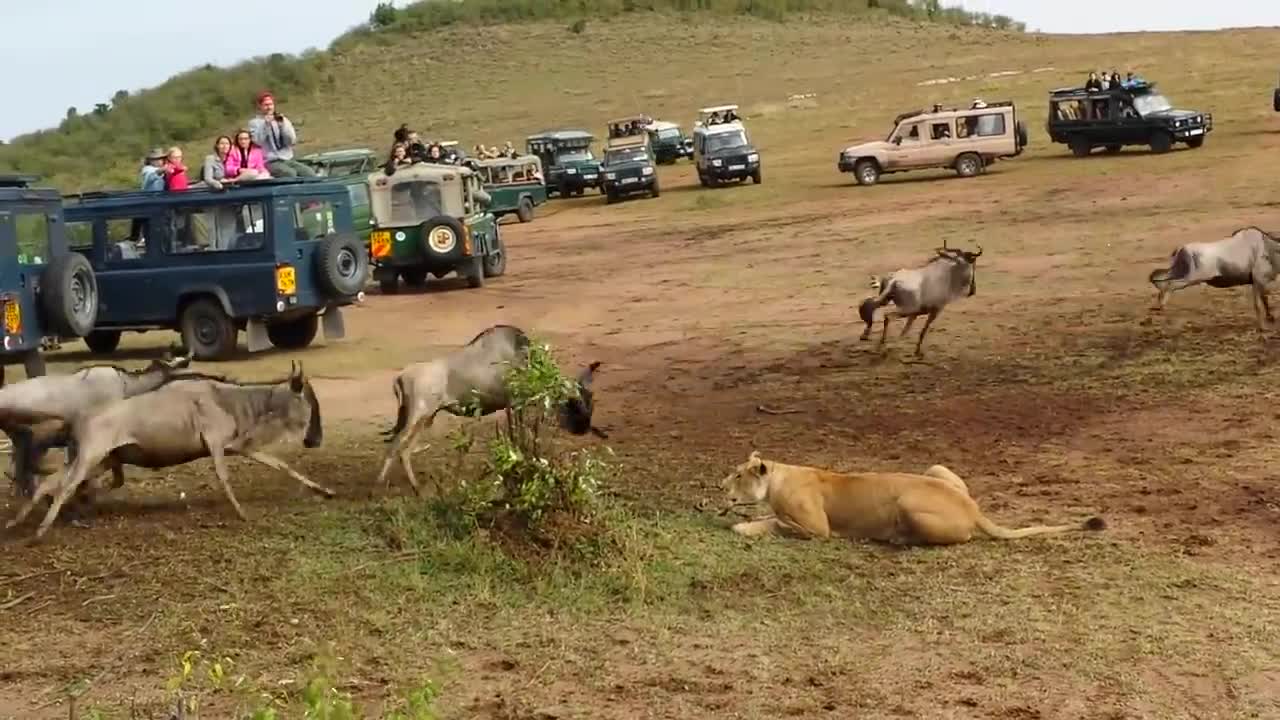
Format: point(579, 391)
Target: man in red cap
point(274, 133)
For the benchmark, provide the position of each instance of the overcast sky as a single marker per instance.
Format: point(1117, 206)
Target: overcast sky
point(62, 53)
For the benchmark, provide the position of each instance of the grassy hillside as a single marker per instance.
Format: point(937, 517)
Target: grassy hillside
point(101, 146)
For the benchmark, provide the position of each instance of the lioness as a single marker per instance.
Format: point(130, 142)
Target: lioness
point(930, 509)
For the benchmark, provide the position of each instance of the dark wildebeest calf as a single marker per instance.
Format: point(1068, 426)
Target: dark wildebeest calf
point(1248, 256)
point(472, 376)
point(188, 418)
point(924, 290)
point(36, 413)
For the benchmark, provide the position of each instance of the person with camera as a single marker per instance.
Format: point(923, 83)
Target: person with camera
point(274, 133)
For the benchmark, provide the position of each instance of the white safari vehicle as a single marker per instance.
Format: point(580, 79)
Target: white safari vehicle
point(722, 149)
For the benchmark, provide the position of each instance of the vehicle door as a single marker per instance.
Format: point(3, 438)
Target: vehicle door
point(482, 225)
point(34, 232)
point(1129, 125)
point(303, 224)
point(129, 269)
point(906, 147)
point(939, 147)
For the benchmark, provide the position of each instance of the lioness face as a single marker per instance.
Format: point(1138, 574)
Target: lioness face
point(748, 483)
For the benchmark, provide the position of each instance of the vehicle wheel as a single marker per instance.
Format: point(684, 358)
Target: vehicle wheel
point(473, 271)
point(702, 179)
point(524, 211)
point(33, 364)
point(207, 330)
point(1080, 147)
point(495, 263)
point(414, 278)
point(610, 197)
point(1195, 142)
point(440, 235)
point(343, 265)
point(69, 295)
point(968, 165)
point(655, 191)
point(103, 342)
point(1021, 130)
point(866, 172)
point(579, 192)
point(389, 285)
point(294, 334)
point(756, 178)
point(1113, 148)
point(1161, 142)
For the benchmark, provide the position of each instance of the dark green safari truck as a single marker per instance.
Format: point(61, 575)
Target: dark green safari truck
point(47, 291)
point(276, 258)
point(669, 142)
point(432, 219)
point(567, 160)
point(514, 185)
point(351, 167)
point(629, 168)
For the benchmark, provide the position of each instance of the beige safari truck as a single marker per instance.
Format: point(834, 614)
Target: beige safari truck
point(964, 140)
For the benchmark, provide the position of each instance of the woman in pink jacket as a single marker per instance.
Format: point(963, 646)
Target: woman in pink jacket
point(245, 161)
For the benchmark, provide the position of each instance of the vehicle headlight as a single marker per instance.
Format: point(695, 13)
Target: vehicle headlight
point(717, 163)
point(442, 239)
point(572, 171)
point(647, 171)
point(611, 176)
point(753, 157)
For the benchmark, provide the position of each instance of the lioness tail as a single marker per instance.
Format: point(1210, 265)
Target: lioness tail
point(990, 529)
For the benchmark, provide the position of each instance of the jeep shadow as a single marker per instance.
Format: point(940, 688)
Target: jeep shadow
point(275, 258)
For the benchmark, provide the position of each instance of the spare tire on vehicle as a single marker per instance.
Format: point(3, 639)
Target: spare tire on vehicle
point(342, 264)
point(69, 296)
point(441, 235)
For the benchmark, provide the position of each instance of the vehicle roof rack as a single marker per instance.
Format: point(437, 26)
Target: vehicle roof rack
point(18, 181)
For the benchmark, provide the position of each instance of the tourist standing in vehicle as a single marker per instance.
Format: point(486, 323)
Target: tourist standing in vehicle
point(213, 173)
point(399, 158)
point(274, 133)
point(1094, 83)
point(175, 173)
point(246, 161)
point(151, 177)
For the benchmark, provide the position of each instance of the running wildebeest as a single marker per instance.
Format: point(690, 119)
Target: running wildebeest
point(188, 418)
point(474, 374)
point(36, 412)
point(924, 290)
point(1249, 256)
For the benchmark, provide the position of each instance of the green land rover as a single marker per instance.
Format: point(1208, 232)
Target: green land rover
point(567, 160)
point(514, 185)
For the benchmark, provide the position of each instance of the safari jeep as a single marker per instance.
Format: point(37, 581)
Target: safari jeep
point(722, 150)
point(339, 163)
point(433, 219)
point(668, 142)
point(628, 168)
point(966, 141)
point(46, 290)
point(567, 160)
point(276, 258)
point(514, 185)
point(1132, 114)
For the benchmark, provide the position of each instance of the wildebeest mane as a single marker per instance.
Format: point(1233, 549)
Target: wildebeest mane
point(179, 377)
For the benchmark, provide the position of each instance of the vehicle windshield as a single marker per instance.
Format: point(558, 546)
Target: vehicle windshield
point(669, 134)
point(414, 202)
point(1153, 103)
point(574, 155)
point(725, 141)
point(613, 157)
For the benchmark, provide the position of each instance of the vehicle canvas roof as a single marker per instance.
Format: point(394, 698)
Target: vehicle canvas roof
point(627, 141)
point(564, 136)
point(344, 154)
point(717, 108)
point(658, 125)
point(722, 128)
point(518, 160)
point(422, 171)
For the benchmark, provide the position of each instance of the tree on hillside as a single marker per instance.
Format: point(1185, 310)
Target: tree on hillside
point(72, 114)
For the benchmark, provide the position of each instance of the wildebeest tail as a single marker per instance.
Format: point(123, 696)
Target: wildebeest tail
point(402, 411)
point(1180, 268)
point(867, 310)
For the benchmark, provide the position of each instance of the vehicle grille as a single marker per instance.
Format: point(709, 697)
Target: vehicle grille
point(736, 160)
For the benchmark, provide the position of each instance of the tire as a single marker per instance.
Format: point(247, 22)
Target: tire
point(294, 334)
point(655, 191)
point(208, 331)
point(866, 172)
point(495, 263)
point(610, 197)
point(434, 223)
point(389, 285)
point(69, 296)
point(968, 165)
point(580, 192)
point(103, 342)
point(524, 211)
point(342, 264)
point(414, 278)
point(473, 271)
point(1161, 142)
point(1021, 130)
point(756, 177)
point(1113, 148)
point(1275, 100)
point(1080, 147)
point(702, 179)
point(1195, 142)
point(33, 364)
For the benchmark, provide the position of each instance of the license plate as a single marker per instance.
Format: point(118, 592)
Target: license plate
point(286, 280)
point(737, 167)
point(380, 243)
point(630, 180)
point(12, 318)
point(1197, 131)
